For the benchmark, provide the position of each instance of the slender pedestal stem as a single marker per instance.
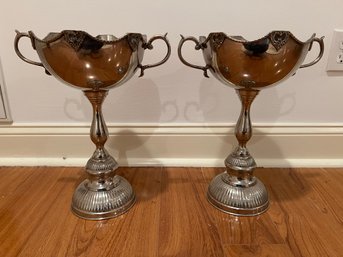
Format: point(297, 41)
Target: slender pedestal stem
point(243, 129)
point(240, 164)
point(101, 165)
point(103, 194)
point(237, 191)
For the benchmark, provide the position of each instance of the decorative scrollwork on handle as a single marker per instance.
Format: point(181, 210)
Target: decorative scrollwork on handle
point(198, 46)
point(29, 35)
point(320, 41)
point(18, 36)
point(148, 45)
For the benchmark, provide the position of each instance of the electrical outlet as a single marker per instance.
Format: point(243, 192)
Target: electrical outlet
point(341, 45)
point(335, 61)
point(339, 58)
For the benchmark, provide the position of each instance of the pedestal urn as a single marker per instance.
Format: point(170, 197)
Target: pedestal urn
point(95, 65)
point(248, 67)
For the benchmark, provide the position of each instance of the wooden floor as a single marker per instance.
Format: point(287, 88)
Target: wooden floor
point(172, 216)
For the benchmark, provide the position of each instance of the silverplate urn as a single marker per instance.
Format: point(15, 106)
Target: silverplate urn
point(95, 65)
point(248, 67)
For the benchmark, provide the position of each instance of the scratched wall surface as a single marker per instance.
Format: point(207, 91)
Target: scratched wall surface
point(172, 93)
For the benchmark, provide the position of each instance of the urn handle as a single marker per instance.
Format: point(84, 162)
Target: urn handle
point(198, 46)
point(320, 41)
point(16, 47)
point(148, 45)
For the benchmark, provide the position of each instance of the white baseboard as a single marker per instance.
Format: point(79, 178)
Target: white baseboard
point(272, 145)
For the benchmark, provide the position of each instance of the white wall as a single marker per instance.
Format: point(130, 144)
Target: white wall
point(172, 93)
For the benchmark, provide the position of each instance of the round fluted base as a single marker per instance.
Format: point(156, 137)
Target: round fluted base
point(237, 200)
point(105, 203)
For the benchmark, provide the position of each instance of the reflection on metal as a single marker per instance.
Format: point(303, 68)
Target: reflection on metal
point(248, 67)
point(95, 65)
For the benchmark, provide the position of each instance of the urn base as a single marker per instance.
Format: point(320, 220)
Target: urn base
point(235, 199)
point(104, 203)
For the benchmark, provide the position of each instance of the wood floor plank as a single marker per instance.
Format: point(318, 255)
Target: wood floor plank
point(329, 187)
point(185, 229)
point(25, 209)
point(139, 236)
point(301, 220)
point(264, 250)
point(11, 180)
point(50, 237)
point(172, 216)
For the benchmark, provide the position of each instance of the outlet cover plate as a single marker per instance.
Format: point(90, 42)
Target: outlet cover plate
point(336, 52)
point(5, 116)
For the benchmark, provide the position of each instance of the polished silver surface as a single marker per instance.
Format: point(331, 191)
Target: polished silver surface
point(103, 194)
point(237, 191)
point(95, 65)
point(255, 64)
point(228, 194)
point(240, 159)
point(97, 201)
point(248, 67)
point(80, 60)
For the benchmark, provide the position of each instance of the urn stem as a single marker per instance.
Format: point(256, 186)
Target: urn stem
point(240, 164)
point(103, 194)
point(237, 191)
point(98, 132)
point(243, 130)
point(101, 165)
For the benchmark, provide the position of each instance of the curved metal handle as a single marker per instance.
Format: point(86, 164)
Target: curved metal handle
point(148, 45)
point(320, 41)
point(16, 48)
point(198, 46)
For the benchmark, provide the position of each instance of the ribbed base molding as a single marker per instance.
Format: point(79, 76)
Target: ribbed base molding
point(104, 204)
point(239, 201)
